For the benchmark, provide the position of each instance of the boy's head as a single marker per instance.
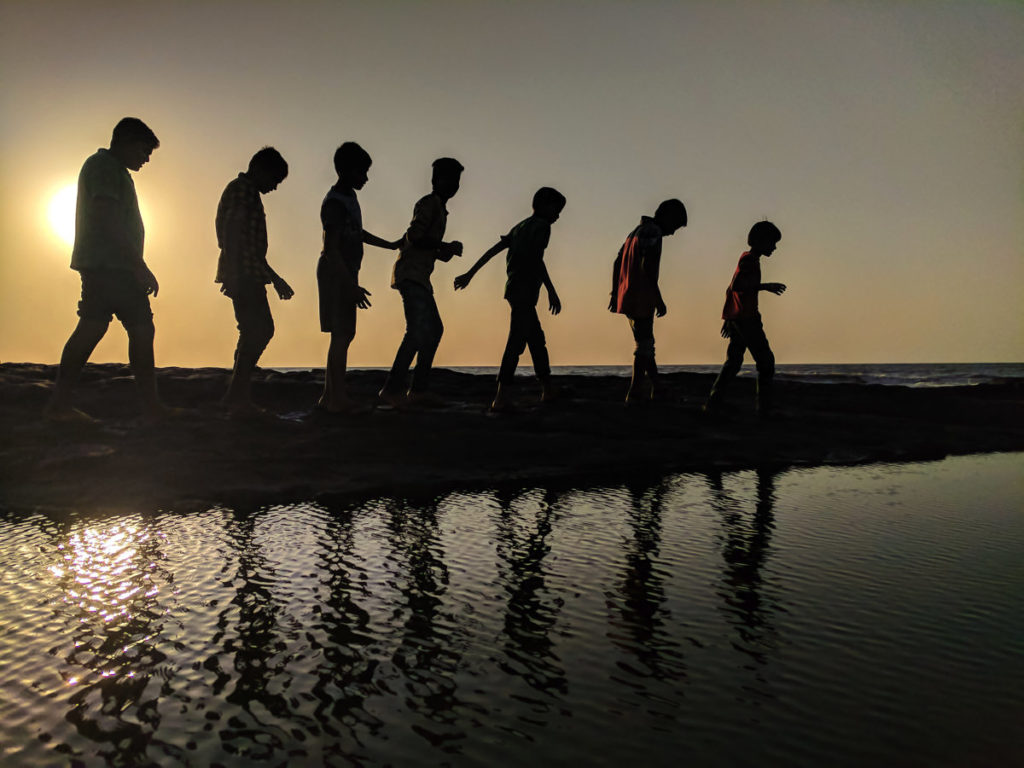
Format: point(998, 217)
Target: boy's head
point(763, 238)
point(548, 204)
point(133, 141)
point(446, 176)
point(268, 169)
point(671, 215)
point(352, 163)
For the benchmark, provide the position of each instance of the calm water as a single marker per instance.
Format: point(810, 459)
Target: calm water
point(830, 616)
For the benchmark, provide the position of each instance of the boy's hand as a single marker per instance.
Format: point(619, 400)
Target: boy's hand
point(660, 309)
point(456, 247)
point(777, 288)
point(463, 280)
point(394, 245)
point(284, 291)
point(725, 331)
point(554, 304)
point(358, 294)
point(611, 303)
point(148, 280)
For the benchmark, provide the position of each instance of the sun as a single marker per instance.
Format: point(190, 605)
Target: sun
point(61, 213)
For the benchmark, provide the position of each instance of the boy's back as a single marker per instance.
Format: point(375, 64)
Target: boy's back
point(524, 262)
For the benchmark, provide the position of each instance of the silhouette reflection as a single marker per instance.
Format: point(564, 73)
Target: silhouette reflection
point(641, 625)
point(531, 611)
point(745, 549)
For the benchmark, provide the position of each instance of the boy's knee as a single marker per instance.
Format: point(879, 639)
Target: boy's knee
point(644, 348)
point(144, 330)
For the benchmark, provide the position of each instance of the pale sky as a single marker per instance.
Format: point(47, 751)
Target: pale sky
point(885, 139)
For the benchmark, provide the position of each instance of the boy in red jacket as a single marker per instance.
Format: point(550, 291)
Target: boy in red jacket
point(742, 324)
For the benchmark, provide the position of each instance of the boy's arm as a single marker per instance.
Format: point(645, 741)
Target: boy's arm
point(777, 288)
point(424, 215)
point(651, 265)
point(615, 281)
point(554, 303)
point(463, 280)
point(333, 222)
point(379, 242)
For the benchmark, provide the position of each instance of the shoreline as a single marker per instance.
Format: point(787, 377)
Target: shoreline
point(204, 458)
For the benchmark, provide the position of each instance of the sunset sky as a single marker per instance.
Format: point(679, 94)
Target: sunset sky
point(886, 140)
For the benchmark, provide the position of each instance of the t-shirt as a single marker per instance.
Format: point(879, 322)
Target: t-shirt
point(241, 209)
point(104, 176)
point(419, 248)
point(524, 262)
point(636, 271)
point(741, 295)
point(340, 212)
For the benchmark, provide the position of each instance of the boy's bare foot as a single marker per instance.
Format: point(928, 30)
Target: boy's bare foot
point(393, 398)
point(67, 415)
point(425, 400)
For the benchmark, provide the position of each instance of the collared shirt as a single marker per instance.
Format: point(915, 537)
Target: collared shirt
point(741, 295)
point(243, 258)
point(524, 262)
point(340, 213)
point(636, 270)
point(422, 242)
point(104, 176)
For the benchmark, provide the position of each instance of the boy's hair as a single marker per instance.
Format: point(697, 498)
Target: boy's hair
point(446, 166)
point(672, 209)
point(546, 196)
point(763, 232)
point(350, 156)
point(270, 159)
point(132, 129)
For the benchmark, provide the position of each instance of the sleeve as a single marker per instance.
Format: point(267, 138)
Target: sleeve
point(333, 216)
point(423, 216)
point(231, 211)
point(746, 278)
point(103, 179)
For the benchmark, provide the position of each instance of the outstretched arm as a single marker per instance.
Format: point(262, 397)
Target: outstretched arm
point(651, 265)
point(554, 303)
point(379, 242)
point(777, 288)
point(463, 280)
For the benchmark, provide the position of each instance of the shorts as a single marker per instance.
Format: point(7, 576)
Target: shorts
point(643, 335)
point(337, 313)
point(109, 292)
point(252, 311)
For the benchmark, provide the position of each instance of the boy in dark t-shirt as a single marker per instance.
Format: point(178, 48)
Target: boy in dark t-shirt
point(635, 291)
point(337, 271)
point(526, 271)
point(742, 320)
point(243, 271)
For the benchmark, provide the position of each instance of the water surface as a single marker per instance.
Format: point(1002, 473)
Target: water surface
point(839, 616)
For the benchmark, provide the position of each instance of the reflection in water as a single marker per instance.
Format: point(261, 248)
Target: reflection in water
point(626, 625)
point(745, 540)
point(429, 652)
point(111, 576)
point(643, 626)
point(531, 611)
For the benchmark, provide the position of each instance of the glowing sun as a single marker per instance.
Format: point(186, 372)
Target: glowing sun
point(61, 213)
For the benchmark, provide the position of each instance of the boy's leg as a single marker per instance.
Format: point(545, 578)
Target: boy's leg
point(733, 363)
point(537, 343)
point(140, 357)
point(643, 358)
point(394, 385)
point(763, 356)
point(77, 349)
point(430, 337)
point(514, 346)
point(343, 329)
point(255, 330)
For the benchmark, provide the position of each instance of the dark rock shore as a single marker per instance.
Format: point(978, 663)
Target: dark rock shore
point(203, 457)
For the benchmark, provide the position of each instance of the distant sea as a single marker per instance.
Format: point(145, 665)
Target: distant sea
point(886, 374)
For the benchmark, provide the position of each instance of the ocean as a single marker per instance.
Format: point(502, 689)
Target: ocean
point(884, 374)
point(840, 616)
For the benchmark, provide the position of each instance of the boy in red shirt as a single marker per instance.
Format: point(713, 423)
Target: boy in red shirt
point(742, 324)
point(635, 291)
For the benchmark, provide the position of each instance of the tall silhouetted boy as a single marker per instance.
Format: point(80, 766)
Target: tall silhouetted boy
point(526, 271)
point(742, 320)
point(107, 254)
point(422, 245)
point(243, 271)
point(337, 272)
point(635, 291)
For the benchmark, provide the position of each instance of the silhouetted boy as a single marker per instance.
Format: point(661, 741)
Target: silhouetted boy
point(422, 245)
point(635, 291)
point(107, 253)
point(243, 271)
point(337, 272)
point(742, 324)
point(526, 242)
